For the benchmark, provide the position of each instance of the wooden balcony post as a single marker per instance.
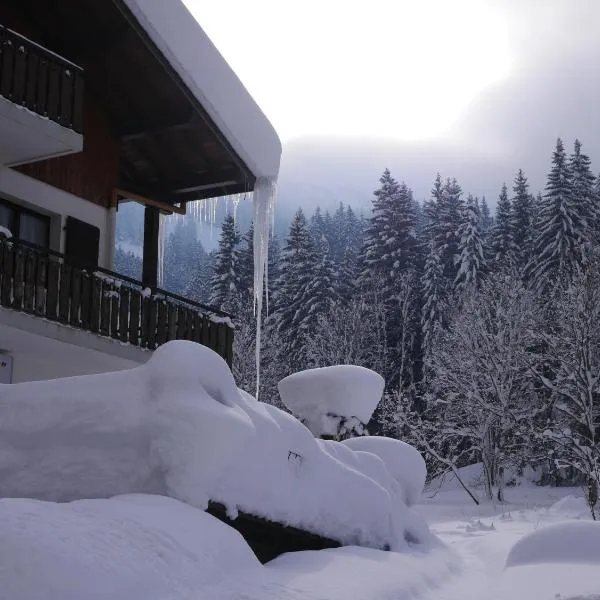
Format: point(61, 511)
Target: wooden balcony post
point(150, 259)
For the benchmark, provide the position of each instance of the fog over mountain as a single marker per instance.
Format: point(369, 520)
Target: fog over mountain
point(553, 90)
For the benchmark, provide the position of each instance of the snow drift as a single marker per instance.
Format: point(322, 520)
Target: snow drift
point(178, 426)
point(571, 542)
point(404, 463)
point(128, 547)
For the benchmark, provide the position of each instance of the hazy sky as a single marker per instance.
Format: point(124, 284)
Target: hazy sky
point(472, 88)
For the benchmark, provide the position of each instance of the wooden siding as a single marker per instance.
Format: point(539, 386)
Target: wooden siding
point(91, 174)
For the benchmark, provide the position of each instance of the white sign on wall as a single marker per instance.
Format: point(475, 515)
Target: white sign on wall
point(6, 364)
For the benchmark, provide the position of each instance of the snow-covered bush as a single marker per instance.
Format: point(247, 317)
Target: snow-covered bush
point(333, 401)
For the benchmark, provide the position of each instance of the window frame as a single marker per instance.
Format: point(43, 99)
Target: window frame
point(18, 210)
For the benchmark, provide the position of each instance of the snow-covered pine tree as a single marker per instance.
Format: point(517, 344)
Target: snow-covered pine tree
point(291, 307)
point(390, 240)
point(246, 266)
point(501, 239)
point(449, 214)
point(320, 294)
point(521, 221)
point(225, 279)
point(471, 261)
point(582, 188)
point(562, 229)
point(433, 294)
point(486, 219)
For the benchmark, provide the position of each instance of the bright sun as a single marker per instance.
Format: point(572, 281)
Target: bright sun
point(404, 69)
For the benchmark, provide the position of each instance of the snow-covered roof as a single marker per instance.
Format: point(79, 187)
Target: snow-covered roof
point(179, 37)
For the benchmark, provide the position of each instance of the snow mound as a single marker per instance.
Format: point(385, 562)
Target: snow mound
point(575, 506)
point(162, 428)
point(178, 427)
point(126, 548)
point(322, 397)
point(571, 542)
point(404, 463)
point(284, 474)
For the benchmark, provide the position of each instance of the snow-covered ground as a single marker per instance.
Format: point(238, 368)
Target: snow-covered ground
point(104, 478)
point(156, 548)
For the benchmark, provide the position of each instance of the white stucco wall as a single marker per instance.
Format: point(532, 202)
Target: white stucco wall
point(57, 204)
point(40, 349)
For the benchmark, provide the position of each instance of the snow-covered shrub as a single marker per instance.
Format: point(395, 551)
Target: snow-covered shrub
point(333, 401)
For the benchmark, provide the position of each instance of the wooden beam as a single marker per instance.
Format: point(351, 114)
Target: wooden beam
point(152, 129)
point(118, 194)
point(150, 258)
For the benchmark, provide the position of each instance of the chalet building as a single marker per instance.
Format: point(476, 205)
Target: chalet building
point(102, 102)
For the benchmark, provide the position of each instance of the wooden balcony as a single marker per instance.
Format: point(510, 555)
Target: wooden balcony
point(38, 91)
point(39, 282)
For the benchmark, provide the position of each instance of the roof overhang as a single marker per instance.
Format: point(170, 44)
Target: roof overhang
point(212, 82)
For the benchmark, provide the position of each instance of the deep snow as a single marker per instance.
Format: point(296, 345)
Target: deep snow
point(178, 426)
point(155, 548)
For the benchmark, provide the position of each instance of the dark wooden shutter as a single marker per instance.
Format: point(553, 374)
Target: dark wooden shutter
point(83, 243)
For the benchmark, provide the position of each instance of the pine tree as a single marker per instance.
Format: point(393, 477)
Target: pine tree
point(320, 295)
point(246, 266)
point(562, 229)
point(291, 314)
point(471, 262)
point(225, 281)
point(486, 219)
point(521, 220)
point(390, 239)
point(434, 293)
point(501, 238)
point(582, 187)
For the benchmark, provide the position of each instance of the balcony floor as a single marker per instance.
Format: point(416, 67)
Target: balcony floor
point(27, 137)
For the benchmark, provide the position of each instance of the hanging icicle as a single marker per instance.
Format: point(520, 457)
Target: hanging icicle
point(265, 191)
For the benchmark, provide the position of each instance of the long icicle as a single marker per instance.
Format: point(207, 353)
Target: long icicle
point(265, 190)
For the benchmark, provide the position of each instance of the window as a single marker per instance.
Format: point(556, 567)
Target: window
point(25, 224)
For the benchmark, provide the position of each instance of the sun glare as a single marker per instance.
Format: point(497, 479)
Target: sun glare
point(382, 68)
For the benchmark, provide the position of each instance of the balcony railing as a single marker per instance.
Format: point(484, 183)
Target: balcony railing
point(41, 81)
point(39, 282)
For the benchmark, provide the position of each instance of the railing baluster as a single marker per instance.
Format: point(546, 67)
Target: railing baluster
point(8, 266)
point(7, 56)
point(124, 314)
point(29, 285)
point(94, 303)
point(19, 279)
point(115, 308)
point(105, 303)
point(53, 295)
point(41, 284)
point(134, 317)
point(74, 317)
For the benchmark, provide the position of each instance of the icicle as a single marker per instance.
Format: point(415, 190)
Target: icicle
point(235, 201)
point(265, 190)
point(162, 238)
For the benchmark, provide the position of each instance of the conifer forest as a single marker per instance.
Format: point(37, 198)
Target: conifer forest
point(484, 323)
